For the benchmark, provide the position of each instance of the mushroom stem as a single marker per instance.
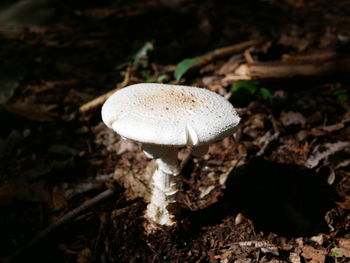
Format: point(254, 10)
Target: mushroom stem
point(165, 187)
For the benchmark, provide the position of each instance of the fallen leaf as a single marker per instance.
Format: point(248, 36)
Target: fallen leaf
point(331, 177)
point(292, 118)
point(8, 86)
point(204, 191)
point(346, 204)
point(239, 219)
point(294, 258)
point(22, 190)
point(343, 249)
point(225, 255)
point(258, 121)
point(84, 256)
point(316, 255)
point(323, 151)
point(318, 239)
point(125, 146)
point(57, 202)
point(31, 111)
point(291, 41)
point(344, 244)
point(264, 246)
point(231, 65)
point(324, 130)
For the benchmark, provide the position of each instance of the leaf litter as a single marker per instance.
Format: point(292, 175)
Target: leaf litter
point(230, 200)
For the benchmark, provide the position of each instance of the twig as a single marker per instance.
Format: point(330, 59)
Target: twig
point(101, 99)
point(104, 219)
point(267, 138)
point(289, 69)
point(312, 56)
point(248, 57)
point(327, 150)
point(227, 51)
point(64, 219)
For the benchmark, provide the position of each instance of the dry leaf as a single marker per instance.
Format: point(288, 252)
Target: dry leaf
point(31, 111)
point(292, 118)
point(346, 204)
point(316, 255)
point(318, 239)
point(299, 43)
point(323, 151)
point(344, 244)
point(84, 256)
point(264, 246)
point(58, 201)
point(343, 249)
point(231, 65)
point(294, 258)
point(204, 191)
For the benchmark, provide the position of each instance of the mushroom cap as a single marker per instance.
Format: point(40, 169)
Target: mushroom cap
point(169, 115)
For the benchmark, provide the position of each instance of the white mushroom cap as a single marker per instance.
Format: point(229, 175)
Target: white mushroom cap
point(170, 115)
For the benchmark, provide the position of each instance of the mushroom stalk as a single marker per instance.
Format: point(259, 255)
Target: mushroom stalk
point(165, 187)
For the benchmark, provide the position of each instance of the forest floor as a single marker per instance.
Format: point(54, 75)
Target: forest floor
point(276, 191)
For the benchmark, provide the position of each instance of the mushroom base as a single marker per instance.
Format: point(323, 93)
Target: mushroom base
point(165, 186)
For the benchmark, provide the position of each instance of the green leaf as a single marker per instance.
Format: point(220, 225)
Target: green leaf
point(266, 94)
point(161, 78)
point(336, 253)
point(250, 86)
point(341, 94)
point(142, 52)
point(150, 80)
point(185, 65)
point(243, 92)
point(343, 97)
point(145, 73)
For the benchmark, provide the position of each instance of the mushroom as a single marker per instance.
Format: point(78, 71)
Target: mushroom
point(164, 118)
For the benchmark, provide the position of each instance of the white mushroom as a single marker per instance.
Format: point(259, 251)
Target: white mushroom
point(163, 118)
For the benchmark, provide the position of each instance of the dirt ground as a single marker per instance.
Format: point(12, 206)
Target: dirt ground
point(277, 191)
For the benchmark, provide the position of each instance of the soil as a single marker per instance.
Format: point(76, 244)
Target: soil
point(276, 191)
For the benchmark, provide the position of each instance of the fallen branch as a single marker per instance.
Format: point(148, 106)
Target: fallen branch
point(64, 219)
point(288, 69)
point(321, 54)
point(226, 51)
point(312, 56)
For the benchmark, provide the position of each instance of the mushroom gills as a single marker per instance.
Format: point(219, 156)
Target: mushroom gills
point(154, 151)
point(191, 135)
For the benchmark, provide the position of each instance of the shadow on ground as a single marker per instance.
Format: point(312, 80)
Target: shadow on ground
point(286, 199)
